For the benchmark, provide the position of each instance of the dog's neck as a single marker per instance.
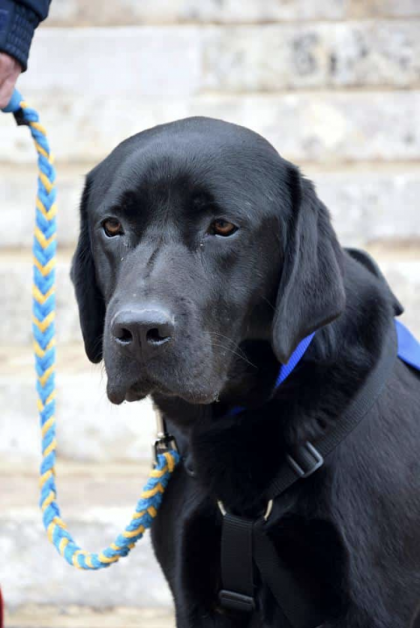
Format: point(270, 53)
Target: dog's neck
point(227, 450)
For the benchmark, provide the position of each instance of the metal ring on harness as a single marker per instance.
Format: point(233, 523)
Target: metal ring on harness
point(266, 515)
point(167, 456)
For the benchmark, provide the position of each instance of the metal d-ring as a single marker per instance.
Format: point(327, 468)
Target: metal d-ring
point(266, 514)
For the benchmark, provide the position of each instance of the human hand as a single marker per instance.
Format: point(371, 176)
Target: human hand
point(9, 73)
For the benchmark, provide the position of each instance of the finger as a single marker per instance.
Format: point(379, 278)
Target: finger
point(6, 91)
point(8, 65)
point(9, 73)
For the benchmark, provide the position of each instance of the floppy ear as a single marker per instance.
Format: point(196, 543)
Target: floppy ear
point(311, 291)
point(89, 298)
point(369, 263)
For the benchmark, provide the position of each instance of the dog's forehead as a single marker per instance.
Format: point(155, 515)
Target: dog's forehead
point(199, 159)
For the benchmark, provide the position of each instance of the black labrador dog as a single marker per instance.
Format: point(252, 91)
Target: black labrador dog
point(204, 258)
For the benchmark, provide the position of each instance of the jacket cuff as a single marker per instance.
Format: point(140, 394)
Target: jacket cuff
point(17, 26)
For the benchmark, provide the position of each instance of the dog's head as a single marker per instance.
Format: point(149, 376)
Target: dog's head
point(197, 236)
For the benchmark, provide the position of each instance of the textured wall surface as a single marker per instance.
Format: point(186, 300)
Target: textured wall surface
point(333, 84)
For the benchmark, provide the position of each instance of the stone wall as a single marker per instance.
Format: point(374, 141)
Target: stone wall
point(333, 84)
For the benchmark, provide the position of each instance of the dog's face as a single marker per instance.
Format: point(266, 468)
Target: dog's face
point(193, 241)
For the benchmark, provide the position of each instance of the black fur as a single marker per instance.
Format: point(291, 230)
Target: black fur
point(241, 304)
point(89, 297)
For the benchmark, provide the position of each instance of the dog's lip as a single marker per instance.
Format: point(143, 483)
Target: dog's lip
point(138, 391)
point(130, 391)
point(141, 389)
point(134, 392)
point(115, 395)
point(132, 395)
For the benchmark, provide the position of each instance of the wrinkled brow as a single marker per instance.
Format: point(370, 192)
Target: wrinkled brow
point(126, 203)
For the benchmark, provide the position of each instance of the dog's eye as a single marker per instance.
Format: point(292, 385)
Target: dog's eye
point(112, 227)
point(222, 228)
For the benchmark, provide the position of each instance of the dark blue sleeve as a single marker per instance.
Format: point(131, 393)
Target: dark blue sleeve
point(18, 21)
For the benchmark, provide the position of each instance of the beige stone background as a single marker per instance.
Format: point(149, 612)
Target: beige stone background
point(334, 84)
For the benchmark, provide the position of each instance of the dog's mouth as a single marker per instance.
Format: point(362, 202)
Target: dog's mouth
point(194, 372)
point(119, 392)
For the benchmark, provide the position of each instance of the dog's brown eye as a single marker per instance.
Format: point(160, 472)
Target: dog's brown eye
point(112, 227)
point(223, 228)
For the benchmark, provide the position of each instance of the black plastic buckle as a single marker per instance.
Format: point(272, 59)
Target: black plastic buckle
point(236, 601)
point(309, 460)
point(20, 119)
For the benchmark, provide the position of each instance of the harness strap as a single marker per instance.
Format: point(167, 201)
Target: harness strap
point(297, 605)
point(246, 548)
point(237, 564)
point(310, 456)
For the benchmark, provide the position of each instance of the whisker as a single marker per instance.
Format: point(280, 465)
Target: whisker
point(241, 355)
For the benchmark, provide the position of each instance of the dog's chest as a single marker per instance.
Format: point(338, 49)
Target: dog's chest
point(187, 540)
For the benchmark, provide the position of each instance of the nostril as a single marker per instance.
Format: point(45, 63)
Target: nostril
point(156, 336)
point(141, 333)
point(124, 335)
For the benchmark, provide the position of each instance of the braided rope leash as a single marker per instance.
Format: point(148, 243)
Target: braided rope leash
point(44, 260)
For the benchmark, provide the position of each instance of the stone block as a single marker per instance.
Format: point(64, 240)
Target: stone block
point(43, 616)
point(128, 62)
point(304, 127)
point(312, 55)
point(384, 8)
point(89, 427)
point(404, 279)
point(18, 187)
point(40, 576)
point(16, 304)
point(96, 507)
point(132, 12)
point(371, 205)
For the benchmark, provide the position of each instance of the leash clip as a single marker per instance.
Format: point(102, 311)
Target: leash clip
point(164, 441)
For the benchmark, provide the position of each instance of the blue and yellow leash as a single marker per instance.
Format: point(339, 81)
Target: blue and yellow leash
point(44, 260)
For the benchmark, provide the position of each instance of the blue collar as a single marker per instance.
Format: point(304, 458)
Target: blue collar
point(285, 369)
point(295, 358)
point(408, 352)
point(408, 346)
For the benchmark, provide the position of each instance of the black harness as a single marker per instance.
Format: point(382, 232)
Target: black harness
point(246, 546)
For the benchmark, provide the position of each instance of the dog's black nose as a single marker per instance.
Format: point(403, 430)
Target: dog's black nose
point(142, 332)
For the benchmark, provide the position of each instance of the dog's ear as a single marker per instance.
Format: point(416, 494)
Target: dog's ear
point(368, 262)
point(89, 297)
point(311, 291)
